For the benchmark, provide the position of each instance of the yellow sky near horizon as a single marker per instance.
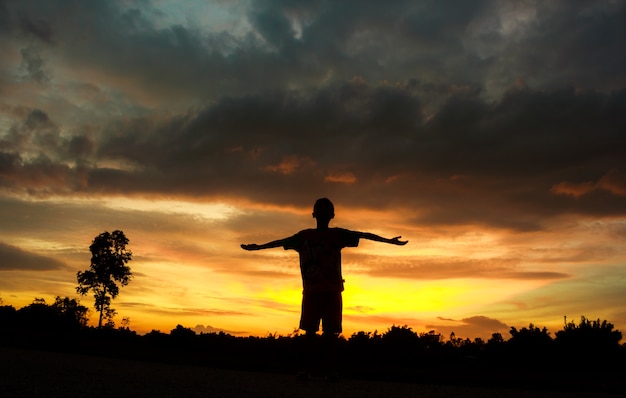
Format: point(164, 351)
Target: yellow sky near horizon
point(189, 270)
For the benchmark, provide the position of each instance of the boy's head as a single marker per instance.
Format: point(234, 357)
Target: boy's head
point(323, 210)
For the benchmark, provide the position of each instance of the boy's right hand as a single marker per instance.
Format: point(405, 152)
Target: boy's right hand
point(252, 246)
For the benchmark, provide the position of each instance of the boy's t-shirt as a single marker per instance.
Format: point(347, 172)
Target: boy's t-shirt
point(320, 256)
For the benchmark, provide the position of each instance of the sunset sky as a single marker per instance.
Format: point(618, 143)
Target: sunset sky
point(489, 134)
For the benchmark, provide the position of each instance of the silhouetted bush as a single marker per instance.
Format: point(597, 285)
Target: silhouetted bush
point(182, 334)
point(590, 343)
point(8, 316)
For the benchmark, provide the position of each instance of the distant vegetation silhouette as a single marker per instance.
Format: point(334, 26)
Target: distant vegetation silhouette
point(64, 315)
point(585, 352)
point(109, 257)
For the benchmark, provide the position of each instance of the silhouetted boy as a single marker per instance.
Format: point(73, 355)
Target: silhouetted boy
point(320, 265)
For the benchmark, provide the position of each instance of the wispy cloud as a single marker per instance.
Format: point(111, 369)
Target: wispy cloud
point(186, 311)
point(15, 259)
point(445, 267)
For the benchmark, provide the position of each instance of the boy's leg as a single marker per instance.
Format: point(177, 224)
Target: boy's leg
point(330, 347)
point(331, 304)
point(332, 327)
point(321, 353)
point(309, 322)
point(309, 358)
point(311, 313)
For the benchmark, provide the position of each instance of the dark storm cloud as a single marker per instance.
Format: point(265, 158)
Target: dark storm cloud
point(484, 159)
point(33, 65)
point(366, 38)
point(15, 259)
point(432, 139)
point(580, 44)
point(35, 158)
point(509, 163)
point(33, 131)
point(123, 40)
point(299, 44)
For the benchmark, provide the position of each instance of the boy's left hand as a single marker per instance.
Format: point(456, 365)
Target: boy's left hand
point(397, 241)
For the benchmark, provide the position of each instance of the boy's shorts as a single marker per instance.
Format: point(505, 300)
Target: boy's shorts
point(324, 306)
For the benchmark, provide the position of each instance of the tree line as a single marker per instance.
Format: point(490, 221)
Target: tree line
point(589, 346)
point(67, 317)
point(109, 270)
point(583, 355)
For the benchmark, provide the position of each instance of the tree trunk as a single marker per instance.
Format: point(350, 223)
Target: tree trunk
point(104, 292)
point(100, 320)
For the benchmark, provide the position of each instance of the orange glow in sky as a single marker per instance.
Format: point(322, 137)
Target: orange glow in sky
point(190, 270)
point(489, 135)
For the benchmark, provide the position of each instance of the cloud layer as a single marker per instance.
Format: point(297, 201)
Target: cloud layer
point(542, 154)
point(15, 259)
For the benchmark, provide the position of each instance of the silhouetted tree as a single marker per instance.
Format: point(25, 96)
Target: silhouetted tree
point(64, 315)
point(588, 330)
point(495, 345)
point(70, 311)
point(399, 345)
point(360, 338)
point(589, 339)
point(496, 338)
point(531, 336)
point(8, 316)
point(37, 316)
point(454, 341)
point(181, 331)
point(182, 335)
point(458, 342)
point(155, 332)
point(400, 334)
point(109, 257)
point(528, 344)
point(430, 340)
point(479, 341)
point(125, 324)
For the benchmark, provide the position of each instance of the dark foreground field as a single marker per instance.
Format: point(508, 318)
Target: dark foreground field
point(26, 373)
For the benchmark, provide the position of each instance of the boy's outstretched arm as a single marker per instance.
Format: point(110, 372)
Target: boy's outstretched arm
point(268, 245)
point(394, 241)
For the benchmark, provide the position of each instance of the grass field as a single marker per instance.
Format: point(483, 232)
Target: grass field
point(27, 373)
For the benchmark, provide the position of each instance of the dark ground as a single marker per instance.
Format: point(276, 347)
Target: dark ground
point(29, 373)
